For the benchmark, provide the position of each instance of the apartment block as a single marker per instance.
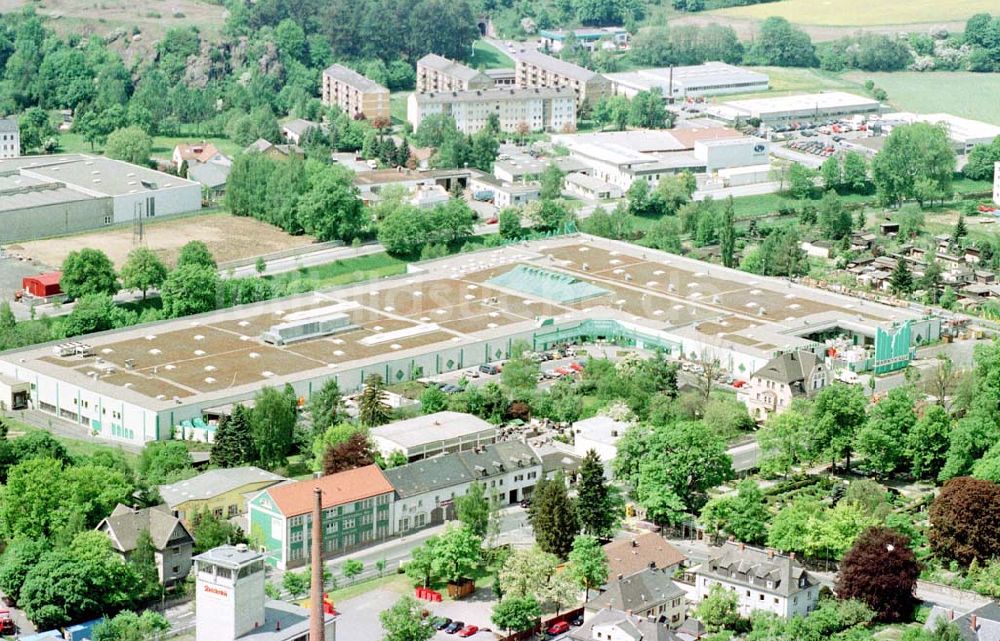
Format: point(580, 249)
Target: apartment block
point(10, 138)
point(536, 69)
point(436, 73)
point(356, 95)
point(536, 109)
point(357, 511)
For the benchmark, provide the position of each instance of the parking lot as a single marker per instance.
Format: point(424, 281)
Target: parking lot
point(360, 614)
point(553, 365)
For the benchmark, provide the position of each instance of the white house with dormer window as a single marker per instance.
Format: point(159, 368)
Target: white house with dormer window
point(784, 378)
point(764, 580)
point(426, 489)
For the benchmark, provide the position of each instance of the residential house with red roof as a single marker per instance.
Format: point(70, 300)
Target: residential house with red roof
point(357, 511)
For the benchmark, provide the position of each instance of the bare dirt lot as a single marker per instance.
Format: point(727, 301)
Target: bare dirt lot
point(228, 238)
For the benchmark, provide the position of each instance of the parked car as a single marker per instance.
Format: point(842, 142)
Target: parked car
point(440, 623)
point(7, 625)
point(454, 627)
point(487, 368)
point(557, 628)
point(492, 220)
point(577, 621)
point(469, 631)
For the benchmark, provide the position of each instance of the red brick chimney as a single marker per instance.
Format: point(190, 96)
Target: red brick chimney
point(317, 618)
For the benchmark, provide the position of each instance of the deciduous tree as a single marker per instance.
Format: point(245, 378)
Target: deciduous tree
point(209, 531)
point(196, 252)
point(404, 621)
point(718, 611)
point(143, 270)
point(784, 441)
point(473, 509)
point(963, 521)
point(927, 442)
point(77, 582)
point(743, 515)
point(882, 439)
point(838, 413)
point(356, 451)
point(129, 626)
point(516, 614)
point(458, 554)
point(163, 462)
point(189, 289)
point(272, 422)
point(912, 153)
point(671, 467)
point(881, 570)
point(88, 271)
point(588, 563)
point(130, 144)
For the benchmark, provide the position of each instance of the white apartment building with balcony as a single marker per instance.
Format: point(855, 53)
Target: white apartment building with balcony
point(534, 109)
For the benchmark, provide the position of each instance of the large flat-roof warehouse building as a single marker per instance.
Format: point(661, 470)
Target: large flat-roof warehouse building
point(619, 158)
point(137, 384)
point(43, 196)
point(781, 110)
point(708, 79)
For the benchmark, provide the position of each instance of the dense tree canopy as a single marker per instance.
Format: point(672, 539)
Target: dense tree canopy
point(671, 467)
point(914, 156)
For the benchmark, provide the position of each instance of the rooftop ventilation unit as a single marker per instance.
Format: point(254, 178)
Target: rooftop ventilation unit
point(307, 328)
point(74, 348)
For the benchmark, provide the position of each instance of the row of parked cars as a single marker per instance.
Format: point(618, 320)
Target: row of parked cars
point(449, 626)
point(814, 147)
point(446, 625)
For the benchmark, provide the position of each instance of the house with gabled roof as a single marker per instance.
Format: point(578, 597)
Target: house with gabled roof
point(223, 492)
point(980, 624)
point(648, 550)
point(357, 511)
point(172, 541)
point(785, 377)
point(616, 625)
point(650, 593)
point(764, 580)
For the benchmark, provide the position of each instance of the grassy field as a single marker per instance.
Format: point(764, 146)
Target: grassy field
point(486, 56)
point(343, 272)
point(863, 13)
point(151, 17)
point(397, 107)
point(789, 80)
point(965, 94)
point(163, 146)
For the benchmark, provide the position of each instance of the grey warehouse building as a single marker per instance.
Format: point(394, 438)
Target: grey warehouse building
point(42, 196)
